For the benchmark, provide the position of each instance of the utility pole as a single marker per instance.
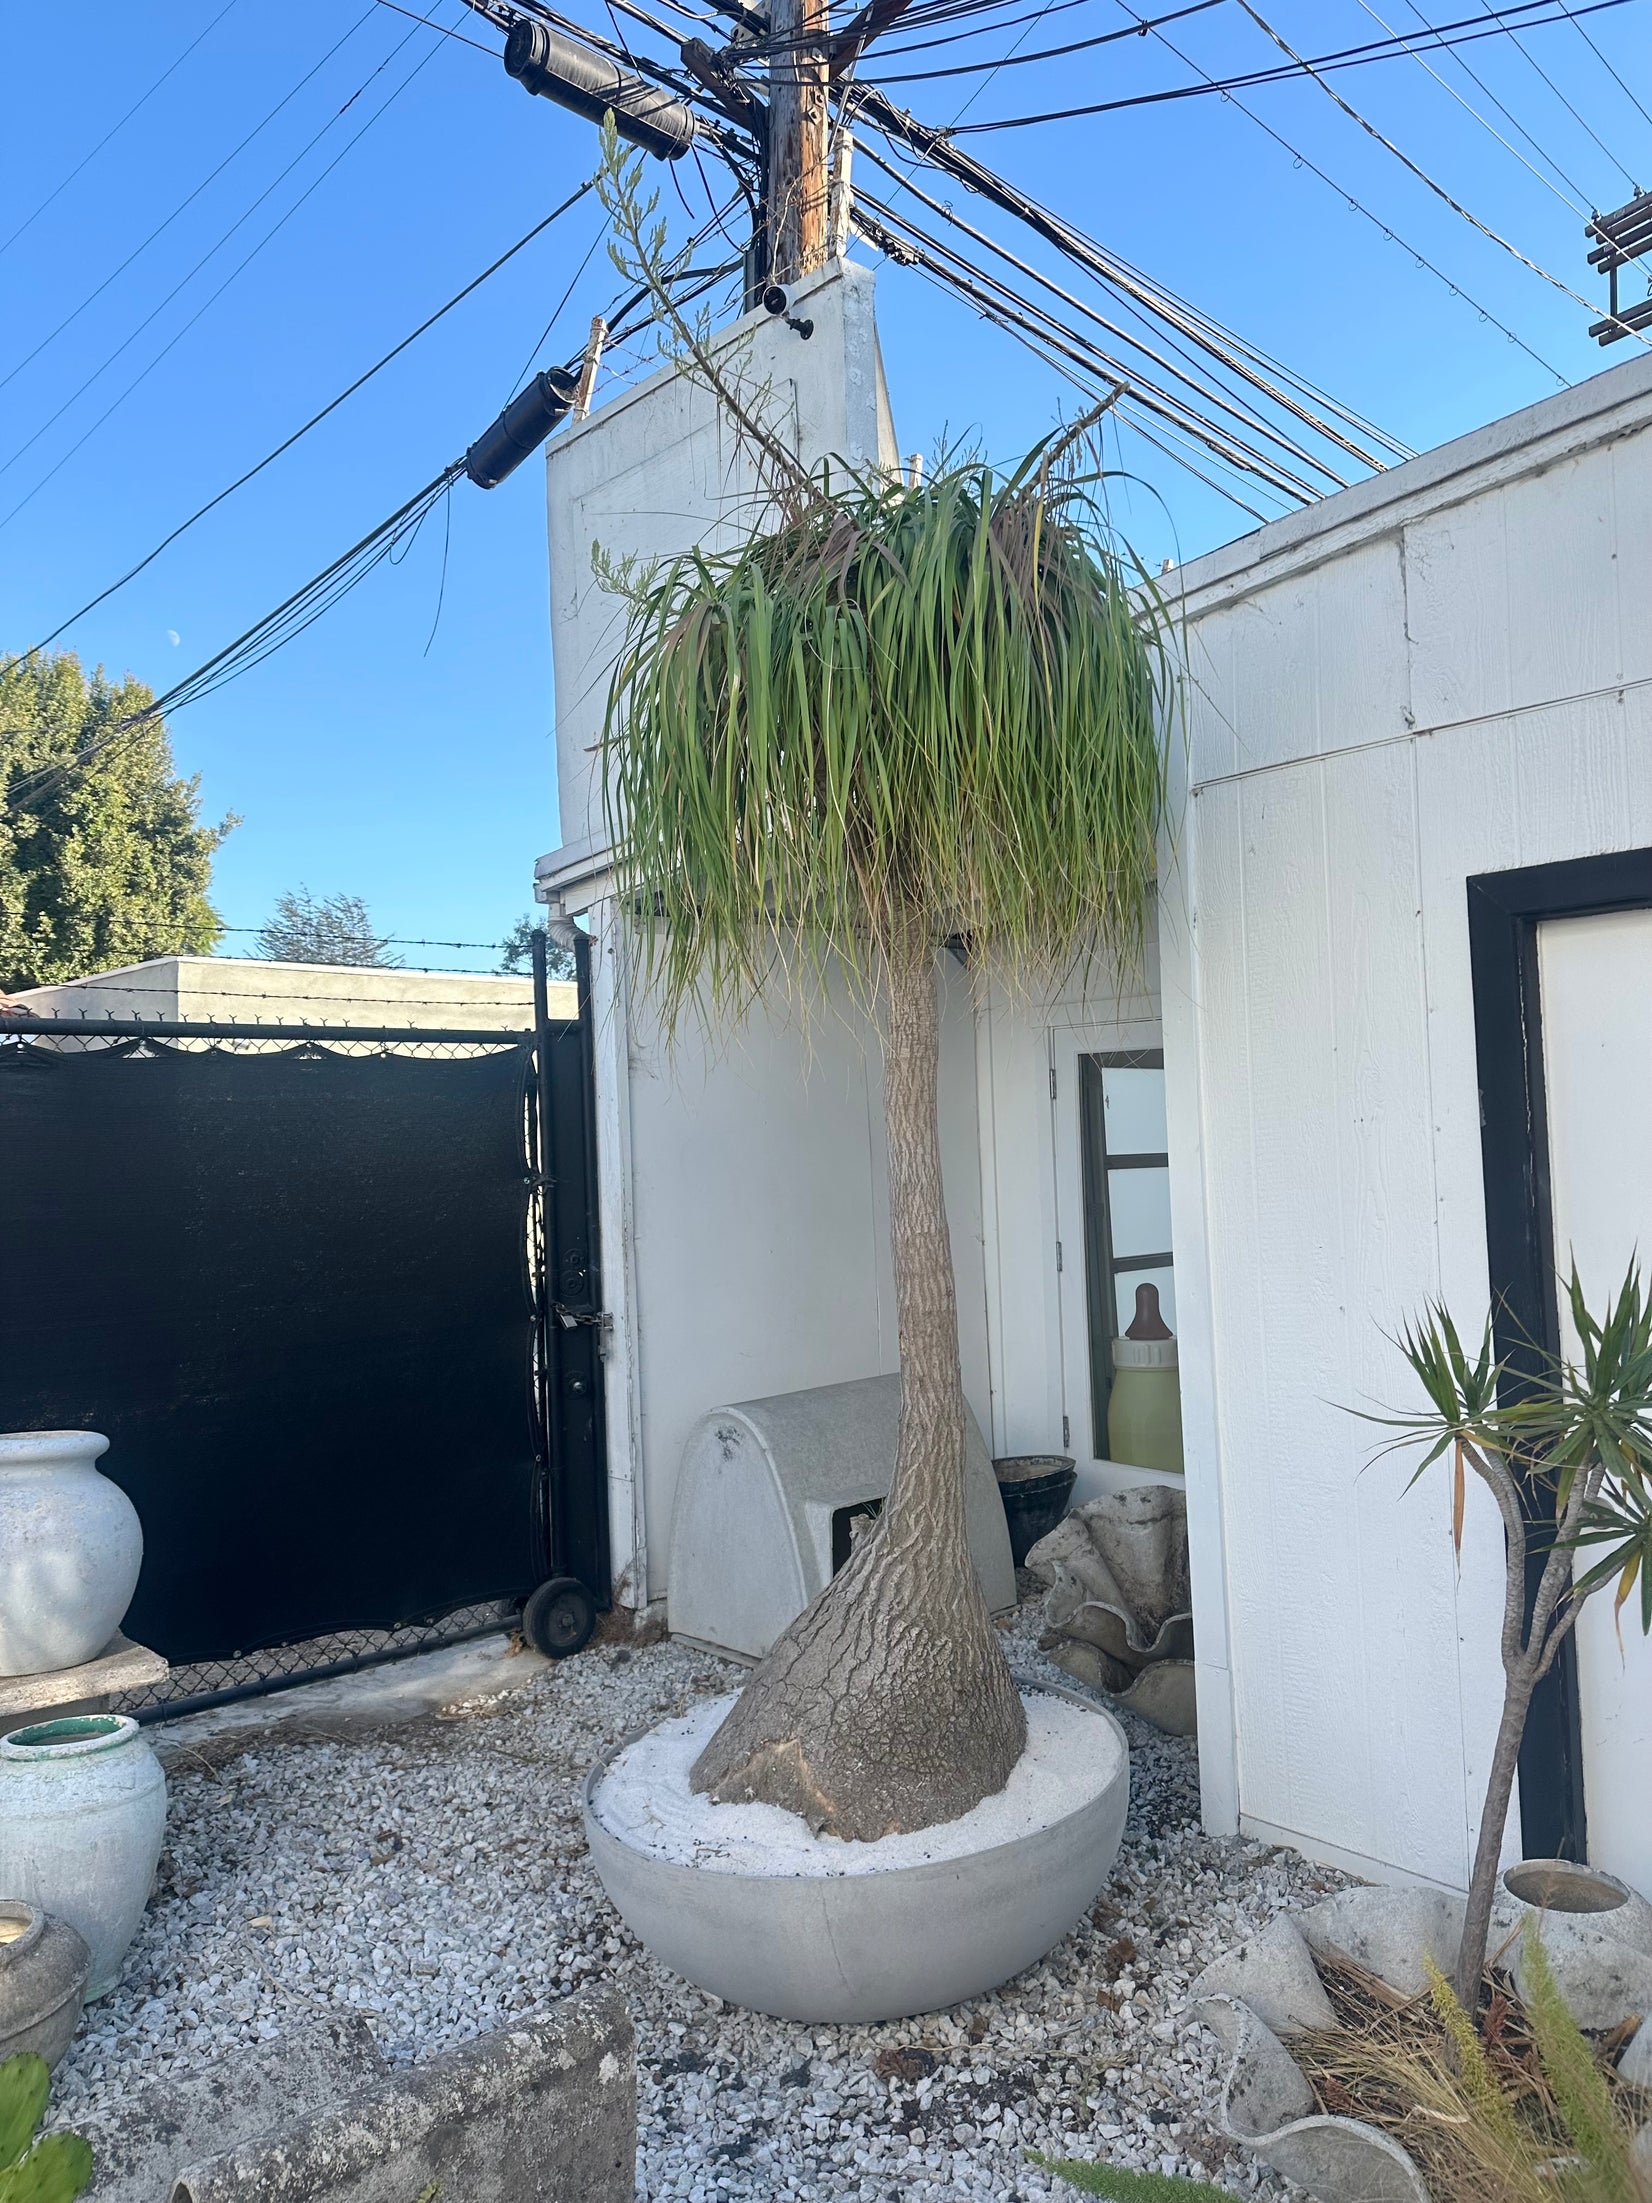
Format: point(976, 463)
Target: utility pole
point(797, 193)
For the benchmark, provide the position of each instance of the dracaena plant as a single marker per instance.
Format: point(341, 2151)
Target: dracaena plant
point(1565, 1449)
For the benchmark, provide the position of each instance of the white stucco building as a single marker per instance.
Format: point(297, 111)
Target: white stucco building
point(1389, 1046)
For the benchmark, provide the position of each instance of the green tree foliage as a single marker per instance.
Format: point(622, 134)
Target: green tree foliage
point(329, 929)
point(516, 952)
point(103, 858)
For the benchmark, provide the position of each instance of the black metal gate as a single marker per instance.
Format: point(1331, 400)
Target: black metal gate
point(333, 1295)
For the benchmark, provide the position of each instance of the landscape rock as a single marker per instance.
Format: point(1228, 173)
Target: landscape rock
point(142, 2140)
point(541, 2112)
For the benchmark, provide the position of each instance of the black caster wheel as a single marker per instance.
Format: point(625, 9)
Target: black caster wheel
point(559, 1617)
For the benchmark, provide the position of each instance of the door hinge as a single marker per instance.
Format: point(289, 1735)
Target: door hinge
point(1052, 1082)
point(1066, 1432)
point(1058, 1260)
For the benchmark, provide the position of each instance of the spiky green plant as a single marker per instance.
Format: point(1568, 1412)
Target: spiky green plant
point(53, 2170)
point(1565, 1449)
point(891, 718)
point(942, 701)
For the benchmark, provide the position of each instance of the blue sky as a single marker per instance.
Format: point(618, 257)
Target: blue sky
point(408, 757)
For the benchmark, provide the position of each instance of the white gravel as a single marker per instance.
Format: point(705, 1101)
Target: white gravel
point(645, 1798)
point(434, 1878)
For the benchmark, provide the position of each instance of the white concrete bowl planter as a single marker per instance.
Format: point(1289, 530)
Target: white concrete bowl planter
point(82, 1818)
point(743, 1901)
point(70, 1550)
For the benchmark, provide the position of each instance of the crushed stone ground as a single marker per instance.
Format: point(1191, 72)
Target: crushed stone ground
point(434, 1878)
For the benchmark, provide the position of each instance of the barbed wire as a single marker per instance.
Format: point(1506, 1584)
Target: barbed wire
point(114, 985)
point(391, 940)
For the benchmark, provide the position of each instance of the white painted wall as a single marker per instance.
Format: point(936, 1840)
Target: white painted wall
point(659, 469)
point(760, 1220)
point(1442, 672)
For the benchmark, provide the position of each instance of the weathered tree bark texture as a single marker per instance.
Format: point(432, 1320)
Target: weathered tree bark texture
point(888, 1704)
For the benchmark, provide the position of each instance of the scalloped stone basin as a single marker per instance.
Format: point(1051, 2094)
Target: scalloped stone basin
point(742, 1900)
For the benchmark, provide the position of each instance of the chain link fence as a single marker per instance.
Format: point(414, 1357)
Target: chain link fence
point(191, 1689)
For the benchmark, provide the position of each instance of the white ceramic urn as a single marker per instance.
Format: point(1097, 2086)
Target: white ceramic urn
point(70, 1549)
point(82, 1819)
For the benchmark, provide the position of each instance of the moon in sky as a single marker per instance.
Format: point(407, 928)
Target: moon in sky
point(173, 637)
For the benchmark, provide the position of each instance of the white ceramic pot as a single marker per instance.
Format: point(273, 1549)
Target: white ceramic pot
point(82, 1817)
point(70, 1549)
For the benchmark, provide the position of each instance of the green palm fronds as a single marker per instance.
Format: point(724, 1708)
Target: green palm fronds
point(947, 701)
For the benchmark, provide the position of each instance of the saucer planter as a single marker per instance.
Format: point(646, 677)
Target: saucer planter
point(1118, 1604)
point(1596, 1932)
point(82, 1817)
point(44, 1968)
point(70, 1550)
point(1035, 1489)
point(742, 1900)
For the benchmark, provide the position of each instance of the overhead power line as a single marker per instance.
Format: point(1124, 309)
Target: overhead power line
point(1571, 198)
point(287, 621)
point(1574, 13)
point(1532, 63)
point(1358, 206)
point(1414, 168)
point(1201, 383)
point(1322, 412)
point(315, 419)
point(1443, 37)
point(138, 251)
point(1232, 447)
point(114, 129)
point(523, 425)
point(313, 186)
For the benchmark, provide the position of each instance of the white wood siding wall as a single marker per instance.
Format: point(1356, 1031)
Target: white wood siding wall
point(1432, 677)
point(757, 1226)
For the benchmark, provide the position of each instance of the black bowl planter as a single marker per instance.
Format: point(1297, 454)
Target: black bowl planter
point(1035, 1489)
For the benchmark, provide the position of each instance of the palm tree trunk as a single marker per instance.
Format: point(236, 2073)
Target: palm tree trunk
point(888, 1704)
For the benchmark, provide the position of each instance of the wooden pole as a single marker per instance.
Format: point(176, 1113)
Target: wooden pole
point(797, 138)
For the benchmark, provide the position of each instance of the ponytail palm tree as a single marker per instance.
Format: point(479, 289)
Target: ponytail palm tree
point(895, 717)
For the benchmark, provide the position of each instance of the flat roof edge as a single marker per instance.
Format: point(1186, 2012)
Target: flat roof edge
point(1615, 403)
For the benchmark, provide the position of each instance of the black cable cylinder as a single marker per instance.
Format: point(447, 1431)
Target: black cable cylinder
point(521, 428)
point(544, 62)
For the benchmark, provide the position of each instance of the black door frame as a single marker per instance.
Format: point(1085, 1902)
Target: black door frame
point(1505, 910)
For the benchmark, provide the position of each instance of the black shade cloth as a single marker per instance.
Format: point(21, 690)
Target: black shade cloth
point(293, 1291)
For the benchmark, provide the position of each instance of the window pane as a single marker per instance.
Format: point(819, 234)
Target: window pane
point(1138, 1202)
point(1134, 1105)
point(1125, 1286)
